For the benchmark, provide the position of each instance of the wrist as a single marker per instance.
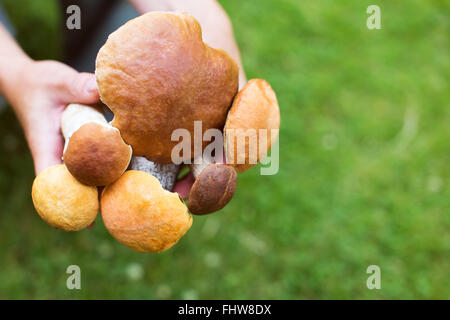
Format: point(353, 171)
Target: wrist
point(12, 69)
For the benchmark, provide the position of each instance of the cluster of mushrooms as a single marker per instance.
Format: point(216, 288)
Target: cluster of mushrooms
point(156, 75)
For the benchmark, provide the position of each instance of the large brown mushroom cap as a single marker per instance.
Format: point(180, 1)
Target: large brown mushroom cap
point(156, 75)
point(255, 107)
point(62, 201)
point(96, 154)
point(140, 214)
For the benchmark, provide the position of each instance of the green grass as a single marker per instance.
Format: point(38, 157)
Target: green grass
point(364, 174)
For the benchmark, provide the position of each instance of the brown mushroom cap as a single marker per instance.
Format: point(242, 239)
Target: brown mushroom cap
point(97, 155)
point(156, 75)
point(255, 107)
point(213, 189)
point(62, 201)
point(140, 214)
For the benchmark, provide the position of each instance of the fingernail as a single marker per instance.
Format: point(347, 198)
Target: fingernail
point(91, 85)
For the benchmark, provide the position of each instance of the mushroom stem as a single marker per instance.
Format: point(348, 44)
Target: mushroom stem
point(200, 163)
point(166, 173)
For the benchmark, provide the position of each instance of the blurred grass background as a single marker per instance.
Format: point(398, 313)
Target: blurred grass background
point(364, 170)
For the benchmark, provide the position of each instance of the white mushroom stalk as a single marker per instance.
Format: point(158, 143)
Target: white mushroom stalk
point(166, 173)
point(200, 163)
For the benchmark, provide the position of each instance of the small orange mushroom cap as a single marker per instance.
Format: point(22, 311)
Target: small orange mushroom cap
point(62, 201)
point(255, 107)
point(143, 216)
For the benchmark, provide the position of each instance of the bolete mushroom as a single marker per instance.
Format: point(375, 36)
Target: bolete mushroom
point(143, 216)
point(254, 118)
point(62, 201)
point(213, 188)
point(94, 151)
point(157, 75)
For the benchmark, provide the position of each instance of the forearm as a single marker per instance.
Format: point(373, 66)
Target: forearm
point(12, 61)
point(216, 25)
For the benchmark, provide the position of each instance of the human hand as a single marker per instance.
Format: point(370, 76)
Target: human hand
point(38, 92)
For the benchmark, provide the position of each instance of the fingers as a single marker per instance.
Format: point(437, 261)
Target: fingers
point(183, 186)
point(80, 88)
point(46, 152)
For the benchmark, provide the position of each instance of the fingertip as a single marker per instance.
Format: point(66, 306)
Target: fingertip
point(91, 84)
point(42, 163)
point(48, 155)
point(91, 88)
point(84, 89)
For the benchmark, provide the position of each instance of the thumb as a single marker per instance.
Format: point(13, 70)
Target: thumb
point(80, 88)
